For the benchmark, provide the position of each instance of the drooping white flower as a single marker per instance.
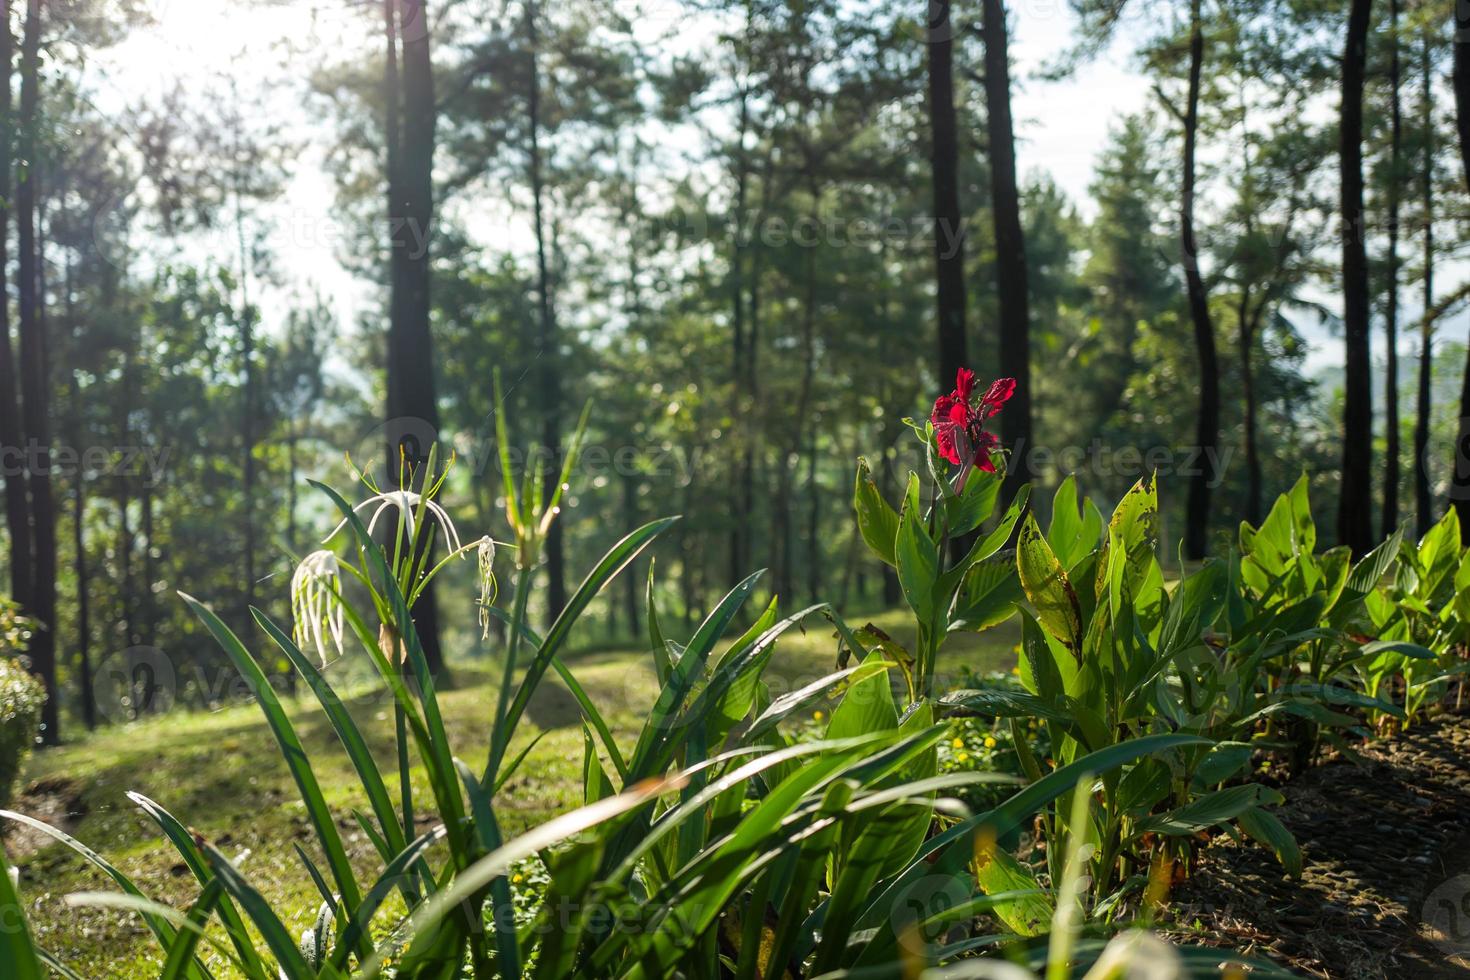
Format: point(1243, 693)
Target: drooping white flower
point(315, 608)
point(406, 503)
point(488, 586)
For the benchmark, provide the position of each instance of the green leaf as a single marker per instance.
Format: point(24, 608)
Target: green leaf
point(974, 505)
point(277, 937)
point(987, 595)
point(19, 951)
point(917, 558)
point(1204, 812)
point(877, 521)
point(994, 703)
point(951, 851)
point(183, 842)
point(1046, 586)
point(997, 872)
point(292, 751)
point(784, 706)
point(347, 732)
point(1134, 526)
point(618, 557)
point(656, 742)
point(181, 954)
point(447, 901)
point(867, 707)
point(1264, 828)
point(158, 925)
point(1073, 535)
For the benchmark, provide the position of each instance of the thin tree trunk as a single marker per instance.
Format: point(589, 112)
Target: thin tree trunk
point(1010, 251)
point(247, 361)
point(1392, 448)
point(548, 346)
point(1247, 339)
point(949, 239)
point(813, 525)
point(1423, 500)
point(1207, 433)
point(786, 490)
point(740, 522)
point(1355, 500)
point(81, 573)
point(12, 435)
point(1460, 487)
point(411, 398)
point(35, 383)
point(631, 582)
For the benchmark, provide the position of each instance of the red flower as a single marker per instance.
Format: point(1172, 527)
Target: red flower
point(959, 426)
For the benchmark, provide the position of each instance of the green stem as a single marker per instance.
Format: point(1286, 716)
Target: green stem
point(500, 739)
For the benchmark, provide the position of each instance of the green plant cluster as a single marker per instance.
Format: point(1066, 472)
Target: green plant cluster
point(875, 822)
point(21, 697)
point(1260, 659)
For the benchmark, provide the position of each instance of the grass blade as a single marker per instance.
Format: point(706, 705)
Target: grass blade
point(347, 732)
point(292, 750)
point(183, 842)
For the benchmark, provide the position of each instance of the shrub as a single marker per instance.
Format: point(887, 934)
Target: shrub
point(21, 697)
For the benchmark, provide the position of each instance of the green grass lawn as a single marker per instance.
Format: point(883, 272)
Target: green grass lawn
point(220, 774)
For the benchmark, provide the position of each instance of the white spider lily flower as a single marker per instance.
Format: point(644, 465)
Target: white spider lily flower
point(14, 878)
point(488, 586)
point(315, 609)
point(406, 503)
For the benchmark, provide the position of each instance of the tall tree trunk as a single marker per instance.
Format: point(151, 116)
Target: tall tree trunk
point(1460, 487)
point(81, 573)
point(1355, 500)
point(1392, 448)
point(35, 382)
point(739, 398)
point(1010, 251)
point(548, 350)
point(411, 403)
point(12, 436)
point(949, 238)
point(813, 524)
point(1207, 433)
point(1423, 500)
point(631, 582)
point(1247, 340)
point(247, 364)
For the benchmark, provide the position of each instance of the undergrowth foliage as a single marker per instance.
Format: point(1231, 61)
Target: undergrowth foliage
point(922, 830)
point(21, 697)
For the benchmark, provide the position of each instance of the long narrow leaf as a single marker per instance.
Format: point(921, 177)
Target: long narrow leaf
point(292, 750)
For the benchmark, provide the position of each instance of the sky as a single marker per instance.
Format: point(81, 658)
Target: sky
point(1062, 125)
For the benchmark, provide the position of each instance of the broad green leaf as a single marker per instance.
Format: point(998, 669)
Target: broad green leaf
point(995, 703)
point(1073, 535)
point(1046, 586)
point(1264, 828)
point(877, 521)
point(997, 872)
point(917, 558)
point(868, 705)
point(987, 595)
point(1203, 812)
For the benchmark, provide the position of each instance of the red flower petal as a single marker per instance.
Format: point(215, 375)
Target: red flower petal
point(964, 384)
point(1000, 392)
